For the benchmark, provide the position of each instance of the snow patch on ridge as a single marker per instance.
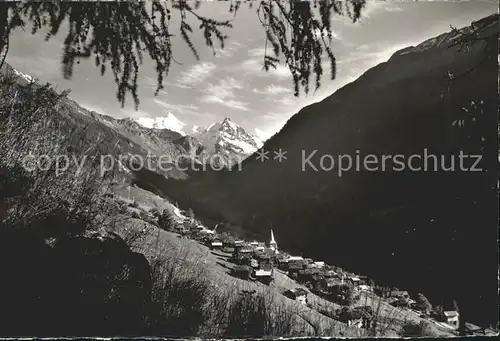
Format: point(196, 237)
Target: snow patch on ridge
point(170, 122)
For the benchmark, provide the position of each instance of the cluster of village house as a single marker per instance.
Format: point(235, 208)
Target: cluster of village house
point(258, 261)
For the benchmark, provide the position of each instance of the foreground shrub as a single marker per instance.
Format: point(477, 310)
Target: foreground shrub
point(343, 294)
point(60, 277)
point(414, 329)
point(90, 284)
point(180, 297)
point(257, 315)
point(166, 221)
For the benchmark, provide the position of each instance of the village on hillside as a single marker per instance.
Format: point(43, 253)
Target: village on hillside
point(360, 303)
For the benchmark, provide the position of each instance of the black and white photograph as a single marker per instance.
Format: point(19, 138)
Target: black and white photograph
point(249, 169)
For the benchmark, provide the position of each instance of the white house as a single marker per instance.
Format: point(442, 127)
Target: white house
point(318, 265)
point(298, 294)
point(355, 280)
point(216, 244)
point(207, 231)
point(364, 287)
point(198, 228)
point(358, 323)
point(262, 272)
point(452, 318)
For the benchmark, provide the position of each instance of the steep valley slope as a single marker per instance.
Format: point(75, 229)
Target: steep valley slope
point(427, 231)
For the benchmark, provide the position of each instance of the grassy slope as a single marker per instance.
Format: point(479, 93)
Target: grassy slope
point(166, 243)
point(160, 242)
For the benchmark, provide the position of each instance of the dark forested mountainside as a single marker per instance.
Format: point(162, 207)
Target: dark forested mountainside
point(424, 230)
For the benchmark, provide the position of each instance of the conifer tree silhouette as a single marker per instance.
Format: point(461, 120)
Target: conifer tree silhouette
point(118, 34)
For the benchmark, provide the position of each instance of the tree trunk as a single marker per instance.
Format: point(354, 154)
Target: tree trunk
point(4, 32)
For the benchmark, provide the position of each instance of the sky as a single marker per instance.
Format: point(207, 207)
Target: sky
point(232, 83)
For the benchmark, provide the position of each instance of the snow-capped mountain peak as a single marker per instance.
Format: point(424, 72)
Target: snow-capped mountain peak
point(228, 138)
point(229, 125)
point(170, 122)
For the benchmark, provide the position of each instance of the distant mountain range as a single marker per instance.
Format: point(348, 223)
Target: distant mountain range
point(228, 140)
point(428, 231)
point(224, 143)
point(221, 142)
point(170, 121)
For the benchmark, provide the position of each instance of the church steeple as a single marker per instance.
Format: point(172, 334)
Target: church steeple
point(272, 244)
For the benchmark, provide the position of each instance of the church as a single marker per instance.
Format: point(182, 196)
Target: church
point(272, 244)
